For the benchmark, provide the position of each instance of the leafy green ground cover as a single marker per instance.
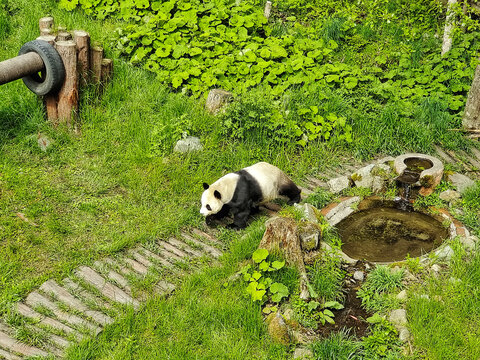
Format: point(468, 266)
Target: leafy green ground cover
point(361, 80)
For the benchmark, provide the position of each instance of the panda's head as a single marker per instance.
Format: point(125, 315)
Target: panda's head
point(211, 201)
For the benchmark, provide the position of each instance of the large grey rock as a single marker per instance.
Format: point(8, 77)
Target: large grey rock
point(402, 295)
point(217, 99)
point(363, 177)
point(190, 143)
point(461, 182)
point(378, 184)
point(449, 195)
point(398, 317)
point(469, 242)
point(338, 184)
point(403, 334)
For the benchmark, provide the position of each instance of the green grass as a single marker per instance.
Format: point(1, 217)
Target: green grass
point(445, 323)
point(209, 315)
point(117, 183)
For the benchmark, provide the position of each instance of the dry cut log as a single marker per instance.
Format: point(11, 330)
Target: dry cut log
point(281, 236)
point(82, 40)
point(68, 95)
point(46, 25)
point(96, 57)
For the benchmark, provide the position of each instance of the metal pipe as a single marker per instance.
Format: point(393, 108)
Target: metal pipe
point(20, 66)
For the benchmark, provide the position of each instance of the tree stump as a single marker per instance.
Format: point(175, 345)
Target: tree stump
point(281, 236)
point(82, 40)
point(68, 94)
point(471, 116)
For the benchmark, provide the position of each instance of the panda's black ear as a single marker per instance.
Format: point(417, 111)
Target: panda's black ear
point(217, 195)
point(205, 186)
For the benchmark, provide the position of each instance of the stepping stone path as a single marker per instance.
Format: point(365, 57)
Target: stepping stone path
point(60, 313)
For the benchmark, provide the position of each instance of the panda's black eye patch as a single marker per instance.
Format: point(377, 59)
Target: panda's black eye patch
point(208, 208)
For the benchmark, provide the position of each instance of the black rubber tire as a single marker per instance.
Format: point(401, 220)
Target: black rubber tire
point(54, 74)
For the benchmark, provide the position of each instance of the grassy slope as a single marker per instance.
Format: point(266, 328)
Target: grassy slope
point(97, 193)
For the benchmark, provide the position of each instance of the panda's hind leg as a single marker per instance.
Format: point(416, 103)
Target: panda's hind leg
point(291, 191)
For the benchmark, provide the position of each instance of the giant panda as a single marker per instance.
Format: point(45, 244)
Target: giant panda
point(242, 191)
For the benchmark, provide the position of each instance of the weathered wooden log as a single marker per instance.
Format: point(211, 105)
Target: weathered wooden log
point(96, 57)
point(107, 71)
point(82, 40)
point(471, 115)
point(20, 66)
point(46, 25)
point(67, 104)
point(48, 38)
point(64, 36)
point(281, 236)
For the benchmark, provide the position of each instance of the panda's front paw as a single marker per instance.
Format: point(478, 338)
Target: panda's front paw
point(234, 226)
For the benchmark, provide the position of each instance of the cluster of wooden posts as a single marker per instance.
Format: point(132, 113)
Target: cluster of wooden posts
point(84, 64)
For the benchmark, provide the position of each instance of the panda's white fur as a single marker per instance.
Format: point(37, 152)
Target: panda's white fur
point(245, 189)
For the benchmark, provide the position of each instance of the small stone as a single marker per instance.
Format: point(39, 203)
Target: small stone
point(288, 314)
point(444, 253)
point(190, 143)
point(468, 242)
point(338, 184)
point(403, 334)
point(402, 295)
point(302, 353)
point(449, 195)
point(398, 317)
point(43, 141)
point(436, 269)
point(386, 160)
point(424, 296)
point(217, 99)
point(358, 275)
point(461, 182)
point(309, 236)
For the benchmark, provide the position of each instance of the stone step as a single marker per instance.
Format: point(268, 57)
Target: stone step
point(315, 182)
point(107, 289)
point(459, 160)
point(443, 155)
point(165, 258)
point(35, 299)
point(305, 191)
point(16, 347)
point(210, 249)
point(476, 152)
point(474, 162)
point(114, 276)
point(172, 249)
point(209, 237)
point(174, 243)
point(46, 321)
point(60, 293)
point(4, 354)
point(142, 259)
point(92, 300)
point(136, 266)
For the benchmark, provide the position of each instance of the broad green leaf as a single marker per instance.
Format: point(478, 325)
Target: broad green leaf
point(259, 255)
point(329, 320)
point(264, 265)
point(312, 305)
point(277, 265)
point(258, 295)
point(350, 82)
point(328, 313)
point(256, 275)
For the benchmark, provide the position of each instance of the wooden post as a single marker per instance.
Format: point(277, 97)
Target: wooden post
point(46, 25)
point(107, 71)
point(82, 40)
point(48, 38)
point(96, 57)
point(68, 94)
point(63, 36)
